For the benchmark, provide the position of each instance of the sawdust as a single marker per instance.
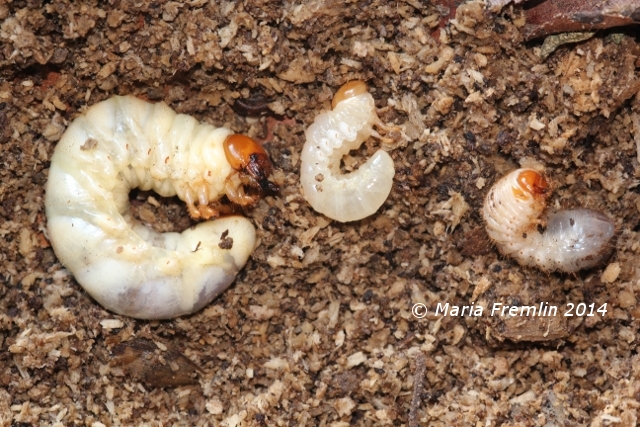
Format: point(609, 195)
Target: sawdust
point(318, 328)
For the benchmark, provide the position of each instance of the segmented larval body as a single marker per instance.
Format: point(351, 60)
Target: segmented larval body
point(571, 240)
point(355, 195)
point(124, 143)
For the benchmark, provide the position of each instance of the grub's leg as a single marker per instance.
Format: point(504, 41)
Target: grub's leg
point(392, 134)
point(385, 129)
point(193, 210)
point(203, 211)
point(206, 211)
point(235, 190)
point(384, 139)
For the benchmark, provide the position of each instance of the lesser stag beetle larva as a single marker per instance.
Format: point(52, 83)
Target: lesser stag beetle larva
point(124, 143)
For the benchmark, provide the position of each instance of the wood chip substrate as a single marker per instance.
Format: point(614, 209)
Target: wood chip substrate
point(401, 319)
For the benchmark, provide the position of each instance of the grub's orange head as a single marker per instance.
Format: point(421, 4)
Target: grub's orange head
point(247, 156)
point(530, 183)
point(239, 148)
point(349, 90)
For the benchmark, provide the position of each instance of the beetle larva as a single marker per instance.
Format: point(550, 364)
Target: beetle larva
point(572, 240)
point(124, 143)
point(352, 196)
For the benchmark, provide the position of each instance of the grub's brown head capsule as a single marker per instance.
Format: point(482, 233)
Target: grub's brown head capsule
point(247, 156)
point(349, 90)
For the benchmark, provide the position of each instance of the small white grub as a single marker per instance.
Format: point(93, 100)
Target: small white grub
point(572, 240)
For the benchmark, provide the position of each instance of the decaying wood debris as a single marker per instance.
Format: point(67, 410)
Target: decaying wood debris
point(564, 16)
point(317, 328)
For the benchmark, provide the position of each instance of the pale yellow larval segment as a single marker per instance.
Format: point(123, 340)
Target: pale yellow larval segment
point(352, 196)
point(506, 216)
point(124, 143)
point(567, 240)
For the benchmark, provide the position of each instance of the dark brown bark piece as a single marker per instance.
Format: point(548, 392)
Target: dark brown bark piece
point(142, 359)
point(418, 386)
point(559, 16)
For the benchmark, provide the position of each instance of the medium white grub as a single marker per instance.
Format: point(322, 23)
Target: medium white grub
point(355, 195)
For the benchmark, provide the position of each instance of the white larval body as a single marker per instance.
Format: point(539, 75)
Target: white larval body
point(124, 143)
point(572, 240)
point(352, 196)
